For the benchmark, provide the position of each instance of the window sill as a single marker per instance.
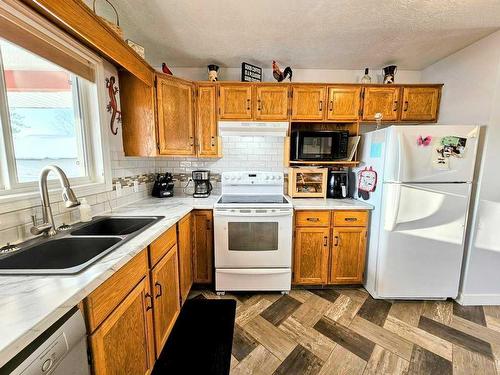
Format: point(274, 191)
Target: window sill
point(22, 201)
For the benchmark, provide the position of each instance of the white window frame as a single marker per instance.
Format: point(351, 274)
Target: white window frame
point(92, 99)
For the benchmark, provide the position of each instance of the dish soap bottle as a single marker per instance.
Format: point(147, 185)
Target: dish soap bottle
point(85, 211)
point(366, 78)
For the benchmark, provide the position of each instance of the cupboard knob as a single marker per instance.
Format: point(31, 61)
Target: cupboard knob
point(331, 106)
point(320, 105)
point(259, 107)
point(150, 299)
point(336, 241)
point(406, 106)
point(248, 104)
point(325, 241)
point(159, 291)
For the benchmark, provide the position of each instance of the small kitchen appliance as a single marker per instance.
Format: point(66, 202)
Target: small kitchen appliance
point(338, 183)
point(319, 145)
point(163, 186)
point(202, 185)
point(253, 233)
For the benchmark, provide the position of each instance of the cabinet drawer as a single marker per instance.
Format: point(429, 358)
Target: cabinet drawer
point(102, 301)
point(350, 218)
point(162, 244)
point(312, 218)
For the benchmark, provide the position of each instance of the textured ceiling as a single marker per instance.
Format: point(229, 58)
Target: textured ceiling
point(322, 34)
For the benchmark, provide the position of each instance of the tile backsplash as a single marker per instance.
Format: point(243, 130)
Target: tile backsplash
point(257, 153)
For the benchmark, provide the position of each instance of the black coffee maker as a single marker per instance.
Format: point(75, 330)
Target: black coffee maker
point(163, 186)
point(202, 185)
point(338, 184)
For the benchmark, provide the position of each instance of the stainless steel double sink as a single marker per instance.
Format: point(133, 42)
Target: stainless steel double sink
point(70, 253)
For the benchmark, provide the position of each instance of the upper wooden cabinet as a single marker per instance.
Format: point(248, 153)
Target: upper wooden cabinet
point(271, 102)
point(235, 101)
point(203, 246)
point(383, 99)
point(175, 116)
point(343, 103)
point(308, 102)
point(185, 241)
point(206, 121)
point(420, 103)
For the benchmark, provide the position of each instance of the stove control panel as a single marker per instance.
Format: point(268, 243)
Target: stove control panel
point(252, 178)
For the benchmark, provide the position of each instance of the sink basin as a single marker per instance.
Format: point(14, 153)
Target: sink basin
point(114, 226)
point(66, 255)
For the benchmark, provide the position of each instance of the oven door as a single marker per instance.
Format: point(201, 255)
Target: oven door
point(253, 238)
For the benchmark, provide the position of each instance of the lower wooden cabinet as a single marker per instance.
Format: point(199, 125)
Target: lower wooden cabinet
point(165, 290)
point(327, 253)
point(348, 255)
point(185, 241)
point(311, 255)
point(123, 343)
point(203, 246)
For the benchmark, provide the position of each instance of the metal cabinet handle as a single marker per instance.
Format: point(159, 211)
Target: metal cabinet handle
point(150, 306)
point(351, 219)
point(259, 107)
point(314, 219)
point(191, 138)
point(406, 106)
point(331, 106)
point(248, 104)
point(337, 240)
point(395, 106)
point(159, 291)
point(320, 105)
point(325, 241)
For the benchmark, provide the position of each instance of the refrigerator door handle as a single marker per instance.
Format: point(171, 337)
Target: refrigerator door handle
point(391, 218)
point(400, 157)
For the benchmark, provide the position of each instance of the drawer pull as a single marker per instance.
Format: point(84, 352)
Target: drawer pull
point(150, 305)
point(313, 219)
point(336, 241)
point(351, 219)
point(159, 291)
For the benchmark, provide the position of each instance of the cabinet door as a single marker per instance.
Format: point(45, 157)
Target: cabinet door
point(184, 238)
point(343, 103)
point(348, 255)
point(175, 117)
point(165, 280)
point(206, 124)
point(203, 246)
point(271, 103)
point(235, 101)
point(420, 103)
point(123, 344)
point(381, 99)
point(308, 102)
point(311, 255)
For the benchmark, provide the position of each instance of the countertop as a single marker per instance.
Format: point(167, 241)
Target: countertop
point(31, 304)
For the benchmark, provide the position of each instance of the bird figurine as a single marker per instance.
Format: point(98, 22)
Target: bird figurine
point(165, 69)
point(281, 75)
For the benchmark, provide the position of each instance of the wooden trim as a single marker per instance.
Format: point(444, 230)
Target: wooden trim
point(77, 19)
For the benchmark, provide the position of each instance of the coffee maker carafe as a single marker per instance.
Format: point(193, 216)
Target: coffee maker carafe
point(202, 185)
point(337, 184)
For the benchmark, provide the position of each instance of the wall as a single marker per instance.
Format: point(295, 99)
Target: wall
point(15, 224)
point(471, 95)
point(299, 75)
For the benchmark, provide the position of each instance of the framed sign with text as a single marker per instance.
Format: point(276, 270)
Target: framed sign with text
point(250, 73)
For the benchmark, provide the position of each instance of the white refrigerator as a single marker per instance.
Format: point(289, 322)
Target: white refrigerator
point(418, 178)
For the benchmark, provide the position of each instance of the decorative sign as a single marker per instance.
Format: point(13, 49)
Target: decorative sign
point(250, 73)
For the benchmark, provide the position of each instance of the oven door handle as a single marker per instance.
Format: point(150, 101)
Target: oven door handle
point(252, 214)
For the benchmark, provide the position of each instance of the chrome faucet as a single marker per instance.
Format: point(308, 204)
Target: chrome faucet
point(48, 227)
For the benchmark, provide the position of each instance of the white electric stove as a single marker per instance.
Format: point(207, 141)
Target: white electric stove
point(253, 233)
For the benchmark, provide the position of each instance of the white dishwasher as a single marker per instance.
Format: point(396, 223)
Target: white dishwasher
point(60, 350)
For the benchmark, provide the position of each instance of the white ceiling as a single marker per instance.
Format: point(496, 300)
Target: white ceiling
point(321, 34)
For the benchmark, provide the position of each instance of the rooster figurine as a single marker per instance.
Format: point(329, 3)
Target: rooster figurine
point(165, 69)
point(281, 75)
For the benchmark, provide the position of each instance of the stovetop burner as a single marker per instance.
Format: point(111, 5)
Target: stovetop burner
point(252, 199)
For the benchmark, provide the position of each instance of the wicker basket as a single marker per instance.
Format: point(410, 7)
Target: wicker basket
point(114, 26)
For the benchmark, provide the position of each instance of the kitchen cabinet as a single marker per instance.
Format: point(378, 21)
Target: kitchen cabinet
point(123, 343)
point(311, 255)
point(343, 103)
point(165, 291)
point(329, 247)
point(271, 102)
point(420, 103)
point(308, 102)
point(176, 128)
point(206, 121)
point(235, 101)
point(203, 246)
point(185, 242)
point(384, 100)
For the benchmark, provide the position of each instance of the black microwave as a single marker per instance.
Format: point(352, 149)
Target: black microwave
point(318, 145)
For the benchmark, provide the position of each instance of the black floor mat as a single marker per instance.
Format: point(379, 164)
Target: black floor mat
point(201, 340)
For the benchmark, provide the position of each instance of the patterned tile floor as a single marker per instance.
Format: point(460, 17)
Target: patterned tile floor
point(345, 331)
